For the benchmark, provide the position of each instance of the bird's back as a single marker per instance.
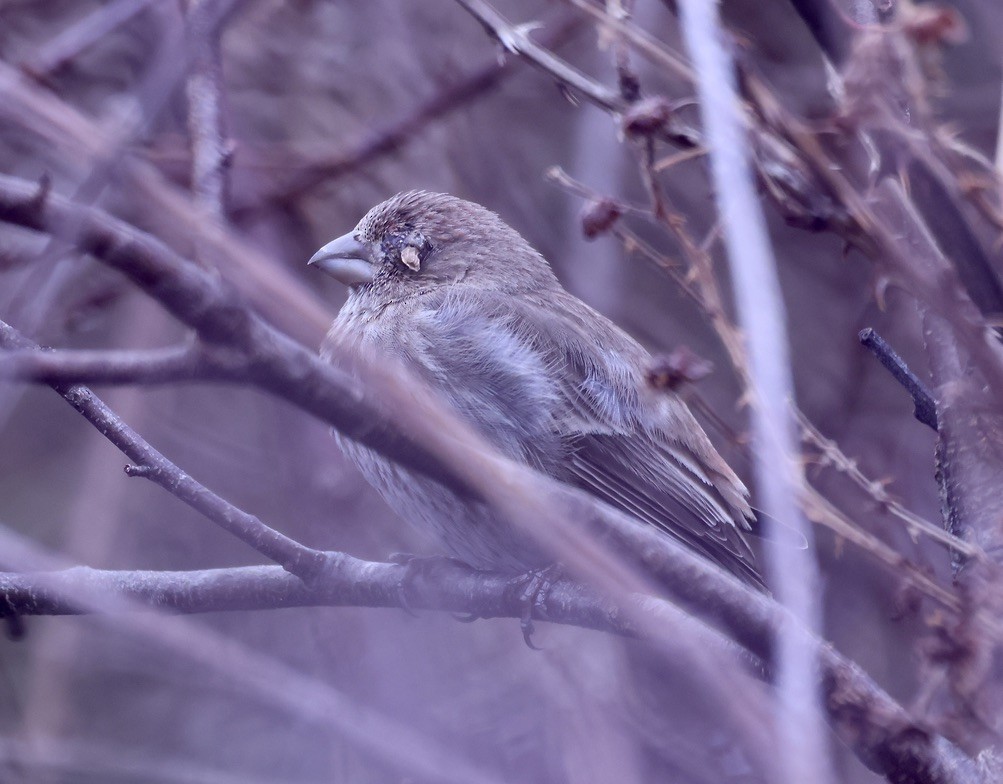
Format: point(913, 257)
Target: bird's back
point(555, 385)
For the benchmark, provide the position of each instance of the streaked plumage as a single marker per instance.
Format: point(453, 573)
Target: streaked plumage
point(546, 379)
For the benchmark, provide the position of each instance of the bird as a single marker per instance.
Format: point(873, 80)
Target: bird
point(469, 307)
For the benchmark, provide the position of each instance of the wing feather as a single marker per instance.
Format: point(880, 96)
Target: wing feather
point(569, 398)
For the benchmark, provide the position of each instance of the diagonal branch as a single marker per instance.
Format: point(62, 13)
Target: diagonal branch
point(296, 558)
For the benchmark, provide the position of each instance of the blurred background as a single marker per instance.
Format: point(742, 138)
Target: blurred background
point(329, 107)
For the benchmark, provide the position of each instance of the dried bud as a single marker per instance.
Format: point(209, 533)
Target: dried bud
point(934, 25)
point(599, 216)
point(646, 117)
point(681, 366)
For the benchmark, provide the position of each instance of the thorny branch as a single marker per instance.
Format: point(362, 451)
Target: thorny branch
point(697, 279)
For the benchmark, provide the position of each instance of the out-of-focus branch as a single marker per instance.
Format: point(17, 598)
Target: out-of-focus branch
point(155, 366)
point(310, 172)
point(80, 37)
point(515, 39)
point(791, 573)
point(205, 100)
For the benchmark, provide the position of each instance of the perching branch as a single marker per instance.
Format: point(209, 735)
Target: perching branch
point(436, 584)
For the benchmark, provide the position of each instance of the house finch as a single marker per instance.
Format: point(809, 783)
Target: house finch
point(466, 304)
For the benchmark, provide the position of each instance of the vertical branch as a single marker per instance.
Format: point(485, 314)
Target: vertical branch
point(999, 139)
point(792, 573)
point(627, 80)
point(205, 122)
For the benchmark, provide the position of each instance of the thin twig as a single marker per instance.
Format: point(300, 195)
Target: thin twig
point(915, 525)
point(311, 173)
point(924, 407)
point(651, 47)
point(290, 554)
point(517, 41)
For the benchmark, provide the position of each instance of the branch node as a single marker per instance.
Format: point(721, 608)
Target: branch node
point(37, 201)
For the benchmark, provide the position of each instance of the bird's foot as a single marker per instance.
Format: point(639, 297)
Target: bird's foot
point(419, 566)
point(533, 588)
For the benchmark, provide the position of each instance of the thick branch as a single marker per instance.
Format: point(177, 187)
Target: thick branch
point(153, 366)
point(346, 582)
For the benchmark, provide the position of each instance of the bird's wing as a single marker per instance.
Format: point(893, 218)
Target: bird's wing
point(558, 386)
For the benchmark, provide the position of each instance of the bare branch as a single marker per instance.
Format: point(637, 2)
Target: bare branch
point(296, 558)
point(78, 38)
point(792, 574)
point(924, 408)
point(154, 366)
point(346, 582)
point(210, 156)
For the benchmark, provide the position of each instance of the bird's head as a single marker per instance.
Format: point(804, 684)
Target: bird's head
point(418, 240)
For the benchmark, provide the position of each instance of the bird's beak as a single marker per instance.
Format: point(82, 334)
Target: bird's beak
point(346, 259)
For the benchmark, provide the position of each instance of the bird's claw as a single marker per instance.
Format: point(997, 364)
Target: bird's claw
point(534, 587)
